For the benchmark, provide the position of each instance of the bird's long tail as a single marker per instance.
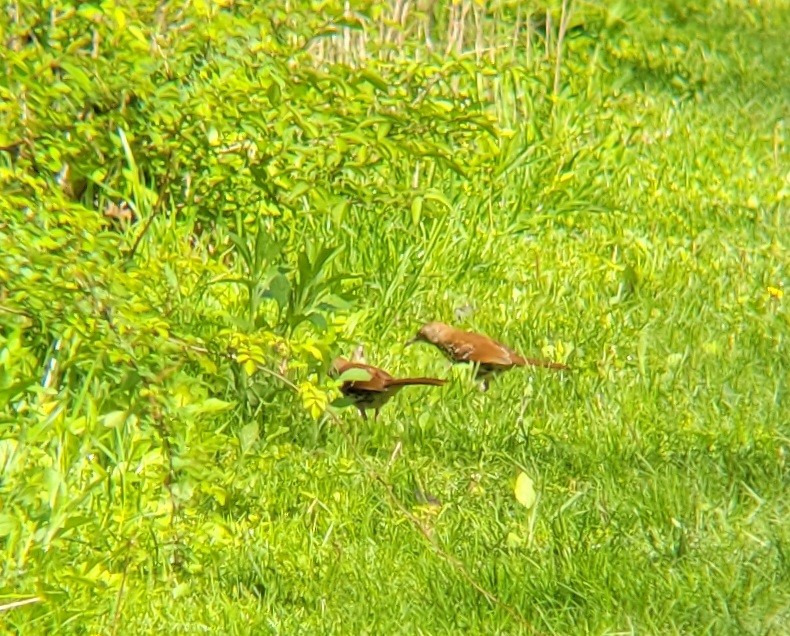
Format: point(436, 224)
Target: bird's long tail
point(410, 381)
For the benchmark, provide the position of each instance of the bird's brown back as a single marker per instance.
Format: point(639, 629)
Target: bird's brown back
point(477, 348)
point(468, 346)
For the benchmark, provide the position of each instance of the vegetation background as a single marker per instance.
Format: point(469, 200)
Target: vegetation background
point(203, 202)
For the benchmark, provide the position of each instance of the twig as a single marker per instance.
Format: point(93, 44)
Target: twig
point(20, 603)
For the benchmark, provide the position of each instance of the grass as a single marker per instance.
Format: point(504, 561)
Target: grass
point(642, 239)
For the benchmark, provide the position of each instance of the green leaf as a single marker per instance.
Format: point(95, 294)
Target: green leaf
point(382, 130)
point(114, 419)
point(241, 245)
point(325, 256)
point(355, 375)
point(514, 540)
point(274, 94)
point(250, 367)
point(319, 321)
point(213, 136)
point(127, 150)
point(281, 430)
point(342, 402)
point(416, 210)
point(8, 393)
point(211, 405)
point(332, 302)
point(305, 271)
point(263, 248)
point(525, 490)
point(375, 79)
point(435, 195)
point(8, 454)
point(9, 525)
point(339, 210)
point(248, 435)
point(280, 290)
point(79, 77)
point(89, 12)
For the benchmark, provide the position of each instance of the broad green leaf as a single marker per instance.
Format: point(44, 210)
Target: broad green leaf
point(525, 490)
point(248, 435)
point(114, 419)
point(325, 256)
point(212, 136)
point(280, 290)
point(435, 195)
point(120, 18)
point(9, 393)
point(355, 375)
point(320, 322)
point(274, 94)
point(375, 79)
point(382, 130)
point(9, 524)
point(339, 210)
point(210, 405)
point(138, 34)
point(78, 76)
point(342, 402)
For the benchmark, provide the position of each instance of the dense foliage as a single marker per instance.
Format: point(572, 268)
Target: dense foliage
point(202, 203)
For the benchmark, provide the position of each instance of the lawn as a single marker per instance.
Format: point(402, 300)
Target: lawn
point(202, 204)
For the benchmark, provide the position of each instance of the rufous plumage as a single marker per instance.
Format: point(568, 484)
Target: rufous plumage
point(375, 392)
point(489, 356)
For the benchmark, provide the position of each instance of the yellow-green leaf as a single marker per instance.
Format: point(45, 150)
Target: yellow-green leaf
point(213, 136)
point(525, 490)
point(355, 375)
point(416, 210)
point(114, 419)
point(210, 405)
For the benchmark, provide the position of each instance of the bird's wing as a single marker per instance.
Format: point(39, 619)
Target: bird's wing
point(366, 387)
point(462, 351)
point(378, 378)
point(488, 351)
point(338, 366)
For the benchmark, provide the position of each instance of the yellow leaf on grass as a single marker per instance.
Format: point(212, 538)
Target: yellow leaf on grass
point(525, 490)
point(114, 419)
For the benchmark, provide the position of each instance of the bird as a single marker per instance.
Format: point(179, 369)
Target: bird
point(489, 356)
point(377, 391)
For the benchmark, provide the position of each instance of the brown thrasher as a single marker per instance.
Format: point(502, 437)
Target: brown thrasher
point(377, 391)
point(490, 357)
